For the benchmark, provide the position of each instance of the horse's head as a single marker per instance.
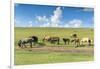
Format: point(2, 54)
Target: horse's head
point(72, 40)
point(19, 43)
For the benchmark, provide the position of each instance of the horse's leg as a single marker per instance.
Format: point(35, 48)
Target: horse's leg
point(43, 40)
point(58, 41)
point(68, 42)
point(31, 44)
point(22, 45)
point(34, 43)
point(25, 46)
point(65, 42)
point(77, 43)
point(89, 44)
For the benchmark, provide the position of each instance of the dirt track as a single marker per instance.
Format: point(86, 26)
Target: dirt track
point(85, 50)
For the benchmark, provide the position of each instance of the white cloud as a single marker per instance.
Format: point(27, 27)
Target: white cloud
point(55, 18)
point(42, 19)
point(88, 9)
point(52, 21)
point(75, 23)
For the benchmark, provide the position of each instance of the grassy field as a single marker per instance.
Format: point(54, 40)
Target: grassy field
point(51, 53)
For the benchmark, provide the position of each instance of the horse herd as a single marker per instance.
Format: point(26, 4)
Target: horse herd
point(33, 40)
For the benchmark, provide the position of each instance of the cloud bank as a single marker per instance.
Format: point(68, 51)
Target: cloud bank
point(75, 23)
point(55, 20)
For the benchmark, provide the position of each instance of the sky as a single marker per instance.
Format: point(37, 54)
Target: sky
point(31, 15)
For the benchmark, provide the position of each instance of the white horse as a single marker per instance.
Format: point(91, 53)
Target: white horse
point(86, 40)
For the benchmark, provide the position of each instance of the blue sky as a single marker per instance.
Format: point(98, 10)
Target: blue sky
point(30, 15)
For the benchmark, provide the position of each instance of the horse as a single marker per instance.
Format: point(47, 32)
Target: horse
point(86, 40)
point(66, 40)
point(76, 41)
point(51, 39)
point(35, 39)
point(25, 41)
point(54, 40)
point(46, 38)
point(29, 40)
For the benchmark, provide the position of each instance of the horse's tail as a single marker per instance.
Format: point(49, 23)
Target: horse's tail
point(19, 43)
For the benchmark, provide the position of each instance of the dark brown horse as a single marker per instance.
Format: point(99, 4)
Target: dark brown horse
point(66, 40)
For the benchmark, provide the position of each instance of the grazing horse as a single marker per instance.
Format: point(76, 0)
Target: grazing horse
point(51, 39)
point(30, 40)
point(46, 38)
point(25, 41)
point(86, 40)
point(66, 40)
point(35, 39)
point(76, 41)
point(54, 40)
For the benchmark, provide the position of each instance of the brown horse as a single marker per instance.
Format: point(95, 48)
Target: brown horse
point(46, 38)
point(76, 41)
point(52, 40)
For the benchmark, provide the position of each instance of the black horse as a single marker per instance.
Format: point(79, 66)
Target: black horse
point(30, 40)
point(35, 39)
point(66, 40)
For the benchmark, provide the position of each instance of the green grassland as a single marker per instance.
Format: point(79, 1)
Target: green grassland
point(49, 53)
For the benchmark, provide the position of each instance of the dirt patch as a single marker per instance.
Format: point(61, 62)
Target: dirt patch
point(87, 50)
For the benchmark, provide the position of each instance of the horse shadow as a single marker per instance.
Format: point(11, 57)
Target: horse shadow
point(83, 45)
point(40, 44)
